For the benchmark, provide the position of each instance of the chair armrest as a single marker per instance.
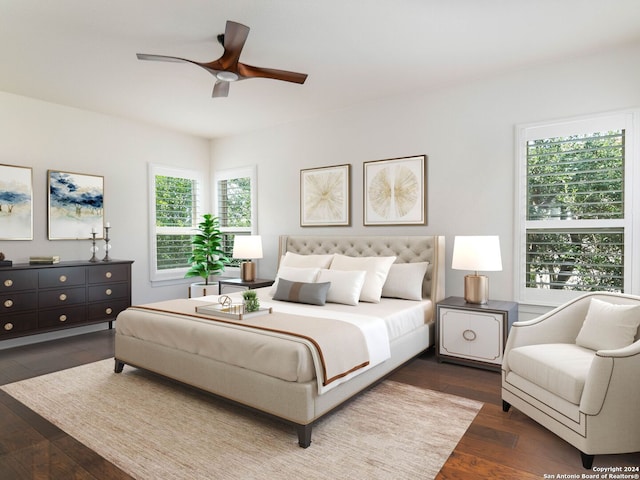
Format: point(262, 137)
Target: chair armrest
point(612, 378)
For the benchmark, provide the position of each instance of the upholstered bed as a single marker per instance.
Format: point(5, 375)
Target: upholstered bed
point(261, 367)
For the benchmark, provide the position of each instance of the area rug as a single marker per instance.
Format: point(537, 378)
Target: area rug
point(153, 428)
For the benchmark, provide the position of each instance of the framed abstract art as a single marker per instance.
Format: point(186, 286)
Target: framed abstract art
point(16, 203)
point(76, 205)
point(394, 191)
point(325, 196)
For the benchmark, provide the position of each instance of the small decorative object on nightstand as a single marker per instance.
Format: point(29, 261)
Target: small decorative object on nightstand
point(472, 334)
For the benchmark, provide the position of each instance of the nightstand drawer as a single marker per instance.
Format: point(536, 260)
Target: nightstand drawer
point(475, 336)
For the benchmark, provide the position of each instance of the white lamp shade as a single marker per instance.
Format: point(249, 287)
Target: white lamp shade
point(247, 246)
point(478, 253)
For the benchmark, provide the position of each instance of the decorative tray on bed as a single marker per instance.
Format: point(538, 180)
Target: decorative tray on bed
point(225, 308)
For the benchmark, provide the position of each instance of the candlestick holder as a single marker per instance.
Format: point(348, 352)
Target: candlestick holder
point(94, 249)
point(107, 246)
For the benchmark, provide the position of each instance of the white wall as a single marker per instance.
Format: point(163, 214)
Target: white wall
point(467, 131)
point(46, 136)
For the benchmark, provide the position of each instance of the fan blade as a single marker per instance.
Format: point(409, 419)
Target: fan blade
point(161, 58)
point(235, 36)
point(249, 71)
point(220, 89)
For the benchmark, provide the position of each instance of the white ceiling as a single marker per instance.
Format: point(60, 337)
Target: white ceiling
point(82, 53)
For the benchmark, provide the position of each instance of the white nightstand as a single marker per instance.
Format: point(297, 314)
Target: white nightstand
point(472, 334)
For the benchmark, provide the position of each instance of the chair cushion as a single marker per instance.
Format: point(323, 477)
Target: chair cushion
point(608, 326)
point(559, 368)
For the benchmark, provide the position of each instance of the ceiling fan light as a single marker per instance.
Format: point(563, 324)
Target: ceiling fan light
point(227, 76)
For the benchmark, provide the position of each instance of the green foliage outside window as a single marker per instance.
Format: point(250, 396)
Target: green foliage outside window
point(570, 179)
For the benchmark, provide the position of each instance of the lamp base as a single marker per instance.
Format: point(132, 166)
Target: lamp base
point(476, 289)
point(248, 271)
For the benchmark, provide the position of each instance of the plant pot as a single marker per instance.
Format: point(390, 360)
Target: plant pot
point(201, 290)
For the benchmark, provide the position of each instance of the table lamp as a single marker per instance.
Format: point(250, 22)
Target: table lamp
point(247, 247)
point(478, 253)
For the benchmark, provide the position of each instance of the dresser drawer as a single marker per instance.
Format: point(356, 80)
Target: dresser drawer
point(107, 310)
point(61, 297)
point(20, 322)
point(62, 316)
point(16, 280)
point(17, 302)
point(109, 273)
point(57, 277)
point(104, 292)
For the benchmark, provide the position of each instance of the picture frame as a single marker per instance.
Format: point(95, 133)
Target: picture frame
point(16, 202)
point(75, 205)
point(325, 196)
point(395, 191)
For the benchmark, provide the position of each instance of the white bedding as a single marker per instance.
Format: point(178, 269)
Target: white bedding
point(275, 355)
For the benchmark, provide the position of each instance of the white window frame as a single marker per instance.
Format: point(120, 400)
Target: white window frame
point(228, 174)
point(162, 170)
point(629, 120)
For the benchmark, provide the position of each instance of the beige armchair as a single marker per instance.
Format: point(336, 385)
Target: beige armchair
point(576, 371)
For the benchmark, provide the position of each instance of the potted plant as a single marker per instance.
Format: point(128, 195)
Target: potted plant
point(251, 301)
point(207, 257)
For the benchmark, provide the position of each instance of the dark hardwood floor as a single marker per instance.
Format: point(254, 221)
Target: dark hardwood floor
point(496, 446)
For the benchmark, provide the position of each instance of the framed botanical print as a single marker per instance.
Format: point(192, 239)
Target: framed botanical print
point(16, 203)
point(76, 205)
point(395, 191)
point(325, 196)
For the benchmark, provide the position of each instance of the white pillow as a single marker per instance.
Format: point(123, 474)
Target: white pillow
point(295, 274)
point(377, 269)
point(346, 285)
point(405, 280)
point(291, 259)
point(608, 326)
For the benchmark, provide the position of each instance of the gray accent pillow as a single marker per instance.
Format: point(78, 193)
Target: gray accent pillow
point(301, 292)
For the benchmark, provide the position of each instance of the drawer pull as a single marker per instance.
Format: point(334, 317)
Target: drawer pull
point(63, 278)
point(63, 297)
point(108, 311)
point(108, 291)
point(8, 282)
point(62, 318)
point(469, 335)
point(108, 274)
point(8, 326)
point(8, 303)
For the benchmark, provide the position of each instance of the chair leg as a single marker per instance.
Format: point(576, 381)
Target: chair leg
point(587, 460)
point(505, 406)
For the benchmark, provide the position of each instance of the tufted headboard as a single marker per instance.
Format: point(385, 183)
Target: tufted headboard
point(407, 248)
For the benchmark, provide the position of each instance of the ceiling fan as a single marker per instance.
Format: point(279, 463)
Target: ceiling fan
point(228, 68)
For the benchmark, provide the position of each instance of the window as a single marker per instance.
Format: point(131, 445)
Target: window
point(236, 206)
point(575, 203)
point(175, 211)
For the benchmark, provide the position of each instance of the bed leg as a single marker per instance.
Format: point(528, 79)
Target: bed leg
point(304, 435)
point(119, 366)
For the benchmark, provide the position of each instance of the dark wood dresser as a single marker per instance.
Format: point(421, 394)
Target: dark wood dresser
point(43, 298)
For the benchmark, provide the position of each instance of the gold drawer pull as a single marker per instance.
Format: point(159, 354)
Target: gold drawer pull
point(63, 297)
point(469, 335)
point(108, 274)
point(108, 291)
point(63, 278)
point(108, 311)
point(62, 318)
point(8, 326)
point(8, 303)
point(8, 282)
